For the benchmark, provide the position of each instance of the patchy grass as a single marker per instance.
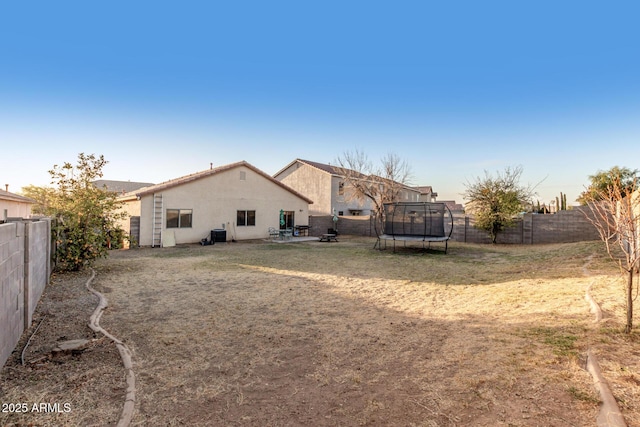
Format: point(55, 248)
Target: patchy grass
point(563, 343)
point(587, 396)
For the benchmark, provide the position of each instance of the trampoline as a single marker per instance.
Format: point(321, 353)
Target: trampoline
point(424, 222)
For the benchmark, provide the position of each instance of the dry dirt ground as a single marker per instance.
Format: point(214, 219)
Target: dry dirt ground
point(332, 334)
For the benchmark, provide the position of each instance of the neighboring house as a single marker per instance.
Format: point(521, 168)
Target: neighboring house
point(327, 187)
point(426, 194)
point(237, 198)
point(121, 187)
point(453, 205)
point(14, 206)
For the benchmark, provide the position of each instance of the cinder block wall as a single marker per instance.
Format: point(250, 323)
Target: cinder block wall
point(37, 264)
point(12, 287)
point(25, 268)
point(350, 225)
point(562, 227)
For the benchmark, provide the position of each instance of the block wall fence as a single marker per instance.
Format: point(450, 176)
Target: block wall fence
point(25, 268)
point(561, 227)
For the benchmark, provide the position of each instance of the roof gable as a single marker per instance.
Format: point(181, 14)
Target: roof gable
point(330, 169)
point(213, 171)
point(424, 189)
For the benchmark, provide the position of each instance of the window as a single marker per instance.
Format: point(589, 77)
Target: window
point(341, 188)
point(246, 218)
point(243, 176)
point(179, 218)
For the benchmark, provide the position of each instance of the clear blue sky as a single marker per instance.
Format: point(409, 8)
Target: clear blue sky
point(162, 89)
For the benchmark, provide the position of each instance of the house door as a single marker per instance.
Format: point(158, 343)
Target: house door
point(288, 220)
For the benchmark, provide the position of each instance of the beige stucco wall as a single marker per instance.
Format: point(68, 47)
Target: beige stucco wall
point(14, 209)
point(342, 203)
point(350, 201)
point(427, 197)
point(215, 201)
point(312, 183)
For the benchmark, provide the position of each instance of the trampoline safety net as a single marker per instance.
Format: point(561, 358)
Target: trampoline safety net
point(414, 219)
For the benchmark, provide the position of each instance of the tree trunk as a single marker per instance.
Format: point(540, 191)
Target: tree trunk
point(494, 234)
point(629, 325)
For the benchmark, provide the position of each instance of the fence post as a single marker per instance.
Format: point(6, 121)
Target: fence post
point(466, 225)
point(26, 283)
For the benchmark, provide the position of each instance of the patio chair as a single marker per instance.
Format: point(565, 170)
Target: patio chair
point(274, 234)
point(287, 233)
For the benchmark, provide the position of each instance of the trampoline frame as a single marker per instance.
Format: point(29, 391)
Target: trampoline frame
point(414, 214)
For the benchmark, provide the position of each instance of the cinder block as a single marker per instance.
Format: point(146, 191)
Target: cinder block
point(7, 232)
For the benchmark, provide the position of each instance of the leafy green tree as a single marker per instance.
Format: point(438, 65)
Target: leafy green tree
point(42, 196)
point(85, 217)
point(496, 200)
point(623, 179)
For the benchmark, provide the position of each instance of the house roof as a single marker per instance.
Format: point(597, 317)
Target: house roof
point(120, 186)
point(424, 189)
point(209, 172)
point(334, 170)
point(322, 166)
point(5, 195)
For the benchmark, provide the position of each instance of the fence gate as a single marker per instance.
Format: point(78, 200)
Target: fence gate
point(134, 231)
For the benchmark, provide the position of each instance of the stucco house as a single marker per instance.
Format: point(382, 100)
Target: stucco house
point(426, 194)
point(327, 187)
point(237, 198)
point(14, 206)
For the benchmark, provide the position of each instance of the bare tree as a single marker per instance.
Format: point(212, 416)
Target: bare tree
point(381, 184)
point(615, 213)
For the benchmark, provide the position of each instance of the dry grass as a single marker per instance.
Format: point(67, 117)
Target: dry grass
point(91, 383)
point(340, 334)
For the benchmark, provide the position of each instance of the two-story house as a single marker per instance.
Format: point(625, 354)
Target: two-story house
point(427, 194)
point(329, 190)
